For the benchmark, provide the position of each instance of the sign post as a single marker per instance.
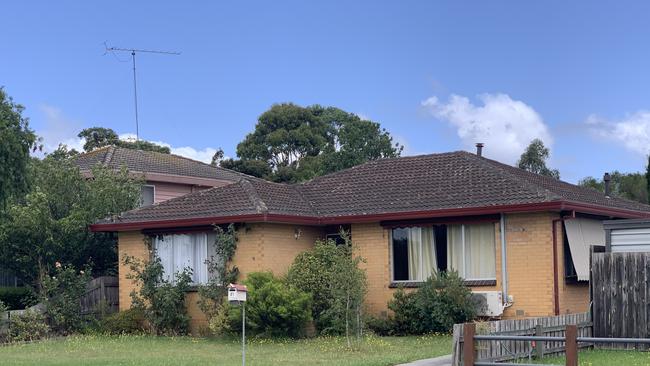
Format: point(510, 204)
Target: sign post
point(237, 296)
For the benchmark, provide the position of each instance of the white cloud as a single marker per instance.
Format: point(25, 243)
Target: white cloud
point(633, 132)
point(506, 126)
point(59, 129)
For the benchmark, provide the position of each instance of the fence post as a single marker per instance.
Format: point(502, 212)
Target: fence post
point(539, 345)
point(469, 329)
point(571, 345)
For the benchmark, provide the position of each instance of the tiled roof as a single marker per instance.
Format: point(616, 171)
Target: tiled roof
point(153, 162)
point(455, 180)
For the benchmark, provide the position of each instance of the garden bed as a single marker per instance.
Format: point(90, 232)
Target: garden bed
point(150, 350)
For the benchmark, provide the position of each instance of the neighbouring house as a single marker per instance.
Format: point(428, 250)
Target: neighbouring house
point(166, 175)
point(523, 236)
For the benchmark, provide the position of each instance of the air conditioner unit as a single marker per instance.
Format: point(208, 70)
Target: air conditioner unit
point(489, 303)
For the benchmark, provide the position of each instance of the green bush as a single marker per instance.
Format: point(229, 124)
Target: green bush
point(442, 301)
point(129, 321)
point(161, 301)
point(17, 298)
point(331, 274)
point(273, 307)
point(29, 326)
point(61, 294)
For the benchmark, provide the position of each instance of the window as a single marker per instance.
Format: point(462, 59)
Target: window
point(147, 195)
point(418, 252)
point(471, 251)
point(414, 254)
point(180, 251)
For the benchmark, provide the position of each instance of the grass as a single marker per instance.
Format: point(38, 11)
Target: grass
point(149, 350)
point(604, 358)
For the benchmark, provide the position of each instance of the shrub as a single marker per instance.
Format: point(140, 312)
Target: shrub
point(17, 297)
point(29, 326)
point(273, 307)
point(61, 294)
point(436, 306)
point(161, 301)
point(332, 275)
point(130, 321)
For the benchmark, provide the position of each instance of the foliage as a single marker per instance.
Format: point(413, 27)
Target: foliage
point(217, 157)
point(97, 137)
point(631, 186)
point(17, 142)
point(161, 301)
point(291, 143)
point(442, 301)
point(222, 273)
point(61, 294)
point(16, 298)
point(29, 326)
point(51, 223)
point(3, 309)
point(273, 307)
point(332, 275)
point(129, 321)
point(533, 159)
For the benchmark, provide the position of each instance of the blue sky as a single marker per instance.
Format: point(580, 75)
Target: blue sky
point(438, 75)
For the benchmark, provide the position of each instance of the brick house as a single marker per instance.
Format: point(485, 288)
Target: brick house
point(503, 229)
point(166, 175)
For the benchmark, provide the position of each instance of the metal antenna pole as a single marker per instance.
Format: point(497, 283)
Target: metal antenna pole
point(135, 85)
point(135, 98)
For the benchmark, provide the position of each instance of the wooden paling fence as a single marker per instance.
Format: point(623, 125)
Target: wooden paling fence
point(620, 290)
point(506, 350)
point(101, 297)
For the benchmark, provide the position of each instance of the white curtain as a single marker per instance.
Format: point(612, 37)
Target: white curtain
point(414, 243)
point(429, 259)
point(471, 250)
point(180, 251)
point(480, 253)
point(455, 248)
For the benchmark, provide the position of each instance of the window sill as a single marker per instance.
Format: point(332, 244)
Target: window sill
point(416, 284)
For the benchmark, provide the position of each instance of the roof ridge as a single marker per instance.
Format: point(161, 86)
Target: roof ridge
point(258, 203)
point(502, 168)
point(298, 188)
point(109, 155)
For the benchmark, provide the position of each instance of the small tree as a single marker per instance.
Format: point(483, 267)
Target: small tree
point(534, 159)
point(161, 301)
point(61, 294)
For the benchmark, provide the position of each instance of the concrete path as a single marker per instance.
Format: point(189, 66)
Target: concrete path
point(438, 361)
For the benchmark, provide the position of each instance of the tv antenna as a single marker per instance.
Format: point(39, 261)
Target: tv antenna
point(133, 51)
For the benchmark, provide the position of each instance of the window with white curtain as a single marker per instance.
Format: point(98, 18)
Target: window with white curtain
point(414, 253)
point(180, 251)
point(471, 250)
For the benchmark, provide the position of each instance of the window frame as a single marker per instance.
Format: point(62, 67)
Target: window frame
point(171, 277)
point(464, 251)
point(390, 249)
point(153, 195)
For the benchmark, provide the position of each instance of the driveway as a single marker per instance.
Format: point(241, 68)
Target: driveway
point(438, 361)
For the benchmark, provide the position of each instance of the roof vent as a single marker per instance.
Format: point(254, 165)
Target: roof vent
point(607, 179)
point(479, 148)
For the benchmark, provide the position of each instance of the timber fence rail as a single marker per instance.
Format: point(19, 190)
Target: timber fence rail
point(570, 339)
point(101, 297)
point(506, 350)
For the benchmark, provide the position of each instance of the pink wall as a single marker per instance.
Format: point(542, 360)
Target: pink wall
point(165, 191)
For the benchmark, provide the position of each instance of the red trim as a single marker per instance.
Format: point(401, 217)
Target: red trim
point(399, 216)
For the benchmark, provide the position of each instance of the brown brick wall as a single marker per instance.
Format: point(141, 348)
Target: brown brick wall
point(261, 247)
point(530, 267)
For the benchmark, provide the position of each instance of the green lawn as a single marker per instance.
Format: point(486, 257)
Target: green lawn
point(605, 358)
point(149, 350)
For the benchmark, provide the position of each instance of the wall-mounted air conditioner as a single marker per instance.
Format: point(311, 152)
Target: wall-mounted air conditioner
point(489, 303)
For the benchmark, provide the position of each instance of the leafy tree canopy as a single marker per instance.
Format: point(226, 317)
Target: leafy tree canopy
point(17, 142)
point(632, 186)
point(291, 143)
point(97, 137)
point(50, 223)
point(534, 160)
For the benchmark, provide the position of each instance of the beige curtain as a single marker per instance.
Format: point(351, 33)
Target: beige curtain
point(429, 260)
point(455, 248)
point(480, 253)
point(414, 242)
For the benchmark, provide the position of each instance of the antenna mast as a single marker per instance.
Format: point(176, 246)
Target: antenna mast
point(133, 51)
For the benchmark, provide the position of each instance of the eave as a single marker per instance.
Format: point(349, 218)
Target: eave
point(555, 206)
